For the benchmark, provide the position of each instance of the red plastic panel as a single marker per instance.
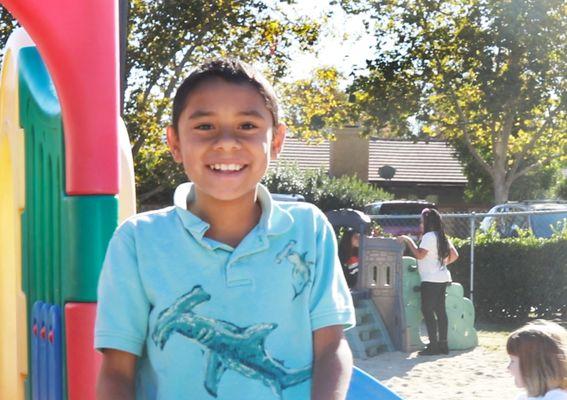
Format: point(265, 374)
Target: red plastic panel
point(83, 361)
point(78, 40)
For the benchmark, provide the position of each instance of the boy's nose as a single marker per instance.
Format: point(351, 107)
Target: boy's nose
point(227, 140)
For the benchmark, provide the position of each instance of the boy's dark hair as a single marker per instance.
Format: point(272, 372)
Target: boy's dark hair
point(232, 71)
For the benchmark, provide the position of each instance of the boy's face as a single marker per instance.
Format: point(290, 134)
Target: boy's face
point(225, 139)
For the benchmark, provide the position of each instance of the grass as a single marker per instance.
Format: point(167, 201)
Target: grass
point(492, 336)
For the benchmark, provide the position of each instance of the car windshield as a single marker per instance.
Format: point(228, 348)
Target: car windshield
point(402, 209)
point(544, 225)
point(402, 226)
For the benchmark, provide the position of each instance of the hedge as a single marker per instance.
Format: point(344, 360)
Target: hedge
point(327, 193)
point(515, 279)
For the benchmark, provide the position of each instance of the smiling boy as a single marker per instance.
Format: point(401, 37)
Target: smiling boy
point(227, 294)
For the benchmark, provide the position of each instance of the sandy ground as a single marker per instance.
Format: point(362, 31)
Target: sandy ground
point(479, 373)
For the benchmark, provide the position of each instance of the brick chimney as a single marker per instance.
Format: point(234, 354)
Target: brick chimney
point(349, 153)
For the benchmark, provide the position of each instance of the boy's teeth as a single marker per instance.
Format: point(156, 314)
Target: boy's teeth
point(226, 167)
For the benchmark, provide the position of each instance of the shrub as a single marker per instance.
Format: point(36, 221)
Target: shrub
point(325, 192)
point(561, 189)
point(515, 278)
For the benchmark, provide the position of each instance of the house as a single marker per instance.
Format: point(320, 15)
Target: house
point(423, 170)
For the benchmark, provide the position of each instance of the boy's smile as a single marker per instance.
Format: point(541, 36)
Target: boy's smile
point(225, 140)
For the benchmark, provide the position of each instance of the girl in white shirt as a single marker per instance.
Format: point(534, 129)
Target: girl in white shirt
point(538, 360)
point(433, 255)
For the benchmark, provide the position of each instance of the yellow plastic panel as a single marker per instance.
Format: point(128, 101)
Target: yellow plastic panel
point(13, 324)
point(127, 190)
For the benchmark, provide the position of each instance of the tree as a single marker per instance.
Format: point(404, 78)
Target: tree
point(488, 75)
point(167, 39)
point(561, 189)
point(536, 184)
point(316, 105)
point(7, 25)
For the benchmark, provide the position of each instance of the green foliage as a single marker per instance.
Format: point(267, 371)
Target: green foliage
point(167, 39)
point(561, 189)
point(313, 107)
point(515, 278)
point(326, 192)
point(538, 184)
point(7, 25)
point(486, 75)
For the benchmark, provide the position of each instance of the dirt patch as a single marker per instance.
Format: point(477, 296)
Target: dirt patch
point(477, 374)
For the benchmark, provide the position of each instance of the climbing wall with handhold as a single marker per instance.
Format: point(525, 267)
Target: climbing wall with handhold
point(460, 313)
point(46, 349)
point(411, 339)
point(461, 334)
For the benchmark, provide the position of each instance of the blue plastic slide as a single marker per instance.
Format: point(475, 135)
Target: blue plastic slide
point(365, 387)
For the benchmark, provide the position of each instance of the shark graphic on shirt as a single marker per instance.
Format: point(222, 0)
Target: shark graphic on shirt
point(227, 346)
point(301, 271)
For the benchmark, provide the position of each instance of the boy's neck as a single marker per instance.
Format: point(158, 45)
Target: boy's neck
point(230, 221)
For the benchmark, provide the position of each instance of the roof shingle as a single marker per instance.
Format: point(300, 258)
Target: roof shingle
point(432, 161)
point(306, 155)
point(420, 162)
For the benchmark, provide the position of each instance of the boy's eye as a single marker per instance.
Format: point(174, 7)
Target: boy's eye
point(247, 126)
point(204, 127)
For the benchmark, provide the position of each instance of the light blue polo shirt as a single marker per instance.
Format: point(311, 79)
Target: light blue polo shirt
point(211, 321)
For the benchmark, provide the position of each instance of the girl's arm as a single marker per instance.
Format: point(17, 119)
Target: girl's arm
point(453, 255)
point(116, 377)
point(418, 252)
point(332, 364)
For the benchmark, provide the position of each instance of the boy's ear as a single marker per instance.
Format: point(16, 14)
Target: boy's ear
point(278, 140)
point(173, 143)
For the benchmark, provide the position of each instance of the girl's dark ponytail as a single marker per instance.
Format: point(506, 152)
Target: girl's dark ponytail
point(432, 223)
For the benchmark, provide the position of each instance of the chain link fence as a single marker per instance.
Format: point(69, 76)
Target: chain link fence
point(467, 226)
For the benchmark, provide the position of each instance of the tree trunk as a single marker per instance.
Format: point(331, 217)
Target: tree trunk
point(501, 188)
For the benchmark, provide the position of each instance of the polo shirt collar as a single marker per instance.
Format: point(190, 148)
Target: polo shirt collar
point(274, 220)
point(195, 225)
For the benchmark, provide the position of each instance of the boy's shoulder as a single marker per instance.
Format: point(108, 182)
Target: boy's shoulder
point(298, 207)
point(301, 212)
point(147, 220)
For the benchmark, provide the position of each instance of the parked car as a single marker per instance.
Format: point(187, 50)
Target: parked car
point(541, 225)
point(395, 226)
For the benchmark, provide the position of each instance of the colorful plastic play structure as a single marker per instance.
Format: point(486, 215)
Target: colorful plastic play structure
point(66, 181)
point(387, 298)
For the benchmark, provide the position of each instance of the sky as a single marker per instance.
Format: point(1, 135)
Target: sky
point(344, 42)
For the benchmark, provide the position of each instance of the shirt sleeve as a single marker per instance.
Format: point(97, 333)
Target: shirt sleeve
point(330, 299)
point(123, 308)
point(428, 241)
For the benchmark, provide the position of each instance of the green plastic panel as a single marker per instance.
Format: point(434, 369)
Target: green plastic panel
point(40, 117)
point(89, 222)
point(65, 237)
